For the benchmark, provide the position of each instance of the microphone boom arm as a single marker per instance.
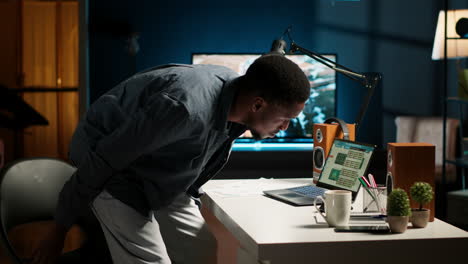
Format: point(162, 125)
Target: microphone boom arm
point(369, 80)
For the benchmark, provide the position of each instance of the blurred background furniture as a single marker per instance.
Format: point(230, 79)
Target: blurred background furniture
point(429, 130)
point(457, 198)
point(16, 115)
point(29, 190)
point(40, 66)
point(451, 42)
point(451, 196)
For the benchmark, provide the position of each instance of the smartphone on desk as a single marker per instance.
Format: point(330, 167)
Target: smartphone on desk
point(364, 229)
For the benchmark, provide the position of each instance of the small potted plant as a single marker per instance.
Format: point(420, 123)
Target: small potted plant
point(398, 210)
point(421, 192)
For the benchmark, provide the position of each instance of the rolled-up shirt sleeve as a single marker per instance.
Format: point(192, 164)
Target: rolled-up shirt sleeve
point(159, 123)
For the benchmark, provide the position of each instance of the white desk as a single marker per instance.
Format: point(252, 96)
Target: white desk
point(275, 232)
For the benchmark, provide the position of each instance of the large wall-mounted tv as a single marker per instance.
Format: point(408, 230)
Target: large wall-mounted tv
point(320, 106)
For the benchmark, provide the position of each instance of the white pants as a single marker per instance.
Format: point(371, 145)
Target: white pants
point(177, 233)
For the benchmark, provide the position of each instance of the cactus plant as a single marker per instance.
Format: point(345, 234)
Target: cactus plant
point(398, 203)
point(422, 193)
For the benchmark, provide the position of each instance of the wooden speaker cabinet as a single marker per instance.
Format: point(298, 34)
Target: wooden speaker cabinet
point(411, 162)
point(324, 135)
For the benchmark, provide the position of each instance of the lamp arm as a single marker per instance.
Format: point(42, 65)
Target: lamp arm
point(369, 80)
point(329, 63)
point(345, 72)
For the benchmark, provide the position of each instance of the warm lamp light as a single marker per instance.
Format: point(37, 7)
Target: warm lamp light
point(456, 47)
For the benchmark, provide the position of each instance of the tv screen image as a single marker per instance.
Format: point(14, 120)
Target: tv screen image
point(320, 105)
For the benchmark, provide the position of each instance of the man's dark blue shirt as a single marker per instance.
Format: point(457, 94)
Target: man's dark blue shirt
point(160, 133)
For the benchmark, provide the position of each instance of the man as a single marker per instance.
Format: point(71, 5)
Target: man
point(146, 147)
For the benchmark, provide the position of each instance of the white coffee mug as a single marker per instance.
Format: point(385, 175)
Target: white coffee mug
point(337, 207)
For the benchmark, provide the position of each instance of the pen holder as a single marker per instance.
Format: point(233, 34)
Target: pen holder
point(375, 200)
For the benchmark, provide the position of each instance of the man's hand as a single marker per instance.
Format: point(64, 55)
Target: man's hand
point(50, 248)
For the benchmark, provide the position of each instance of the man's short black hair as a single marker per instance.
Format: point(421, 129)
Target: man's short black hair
point(276, 79)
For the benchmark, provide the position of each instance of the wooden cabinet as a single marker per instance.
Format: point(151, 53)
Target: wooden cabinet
point(40, 62)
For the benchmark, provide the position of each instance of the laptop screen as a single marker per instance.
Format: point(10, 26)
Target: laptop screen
point(346, 162)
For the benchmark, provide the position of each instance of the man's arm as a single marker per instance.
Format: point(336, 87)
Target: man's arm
point(152, 127)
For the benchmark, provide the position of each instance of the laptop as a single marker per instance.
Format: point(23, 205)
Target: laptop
point(346, 162)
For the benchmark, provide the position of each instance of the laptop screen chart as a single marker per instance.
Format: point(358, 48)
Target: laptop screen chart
point(346, 162)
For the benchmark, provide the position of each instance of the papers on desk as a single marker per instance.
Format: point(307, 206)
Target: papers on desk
point(250, 187)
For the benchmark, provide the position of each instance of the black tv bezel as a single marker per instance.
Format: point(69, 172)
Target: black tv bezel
point(283, 139)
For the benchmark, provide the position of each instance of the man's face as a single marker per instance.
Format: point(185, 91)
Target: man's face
point(266, 120)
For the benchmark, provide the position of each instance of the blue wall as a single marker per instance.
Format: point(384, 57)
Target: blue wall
point(389, 36)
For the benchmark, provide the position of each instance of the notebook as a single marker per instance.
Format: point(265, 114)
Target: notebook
point(346, 162)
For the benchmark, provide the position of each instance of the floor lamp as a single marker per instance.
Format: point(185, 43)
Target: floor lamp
point(457, 48)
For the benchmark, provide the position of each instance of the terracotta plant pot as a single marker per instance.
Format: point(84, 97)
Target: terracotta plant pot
point(398, 224)
point(420, 218)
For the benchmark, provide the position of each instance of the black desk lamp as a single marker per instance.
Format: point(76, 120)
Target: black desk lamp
point(369, 79)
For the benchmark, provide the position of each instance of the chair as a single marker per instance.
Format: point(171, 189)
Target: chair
point(29, 190)
point(429, 130)
point(2, 153)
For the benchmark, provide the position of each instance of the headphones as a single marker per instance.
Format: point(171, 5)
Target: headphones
point(342, 124)
point(319, 153)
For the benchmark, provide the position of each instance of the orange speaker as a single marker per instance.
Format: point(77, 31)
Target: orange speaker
point(409, 163)
point(324, 134)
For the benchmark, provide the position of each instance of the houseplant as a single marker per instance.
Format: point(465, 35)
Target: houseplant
point(421, 192)
point(398, 210)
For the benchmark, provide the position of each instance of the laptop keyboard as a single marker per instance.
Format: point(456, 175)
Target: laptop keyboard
point(309, 190)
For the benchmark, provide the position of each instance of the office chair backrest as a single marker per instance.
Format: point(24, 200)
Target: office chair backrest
point(29, 190)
